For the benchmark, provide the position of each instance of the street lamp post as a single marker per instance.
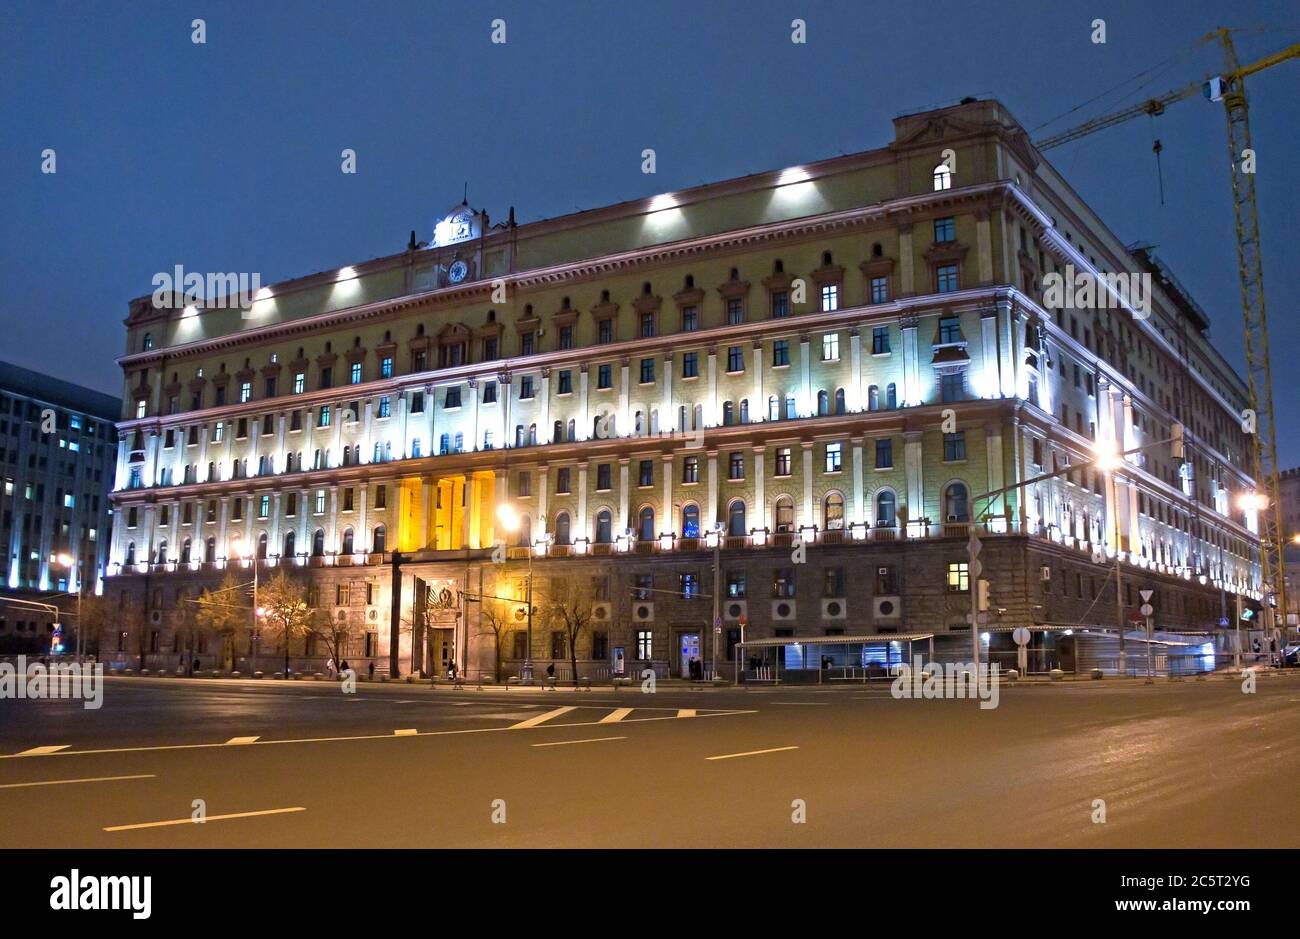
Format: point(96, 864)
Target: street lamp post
point(68, 561)
point(718, 529)
point(511, 522)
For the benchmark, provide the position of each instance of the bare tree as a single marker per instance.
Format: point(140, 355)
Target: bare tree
point(94, 614)
point(336, 634)
point(495, 620)
point(225, 613)
point(568, 607)
point(284, 601)
point(135, 625)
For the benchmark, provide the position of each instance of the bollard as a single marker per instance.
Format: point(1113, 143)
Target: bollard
point(1056, 674)
point(1097, 674)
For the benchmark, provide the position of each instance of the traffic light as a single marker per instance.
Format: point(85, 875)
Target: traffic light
point(982, 595)
point(1178, 446)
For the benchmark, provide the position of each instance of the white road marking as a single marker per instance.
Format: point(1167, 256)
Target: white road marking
point(44, 751)
point(732, 756)
point(686, 712)
point(237, 741)
point(542, 718)
point(406, 732)
point(809, 704)
point(354, 737)
point(64, 782)
point(210, 818)
point(565, 743)
point(613, 717)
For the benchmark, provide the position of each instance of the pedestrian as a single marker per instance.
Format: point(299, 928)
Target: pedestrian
point(451, 669)
point(329, 666)
point(372, 671)
point(550, 670)
point(343, 667)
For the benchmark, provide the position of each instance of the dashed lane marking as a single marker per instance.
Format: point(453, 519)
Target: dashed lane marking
point(240, 741)
point(44, 751)
point(565, 743)
point(616, 715)
point(686, 712)
point(405, 732)
point(65, 782)
point(732, 756)
point(210, 818)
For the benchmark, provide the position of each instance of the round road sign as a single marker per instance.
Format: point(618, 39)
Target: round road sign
point(1020, 635)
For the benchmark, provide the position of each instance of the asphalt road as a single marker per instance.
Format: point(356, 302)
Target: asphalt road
point(1178, 764)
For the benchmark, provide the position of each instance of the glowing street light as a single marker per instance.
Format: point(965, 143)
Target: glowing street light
point(1253, 502)
point(511, 522)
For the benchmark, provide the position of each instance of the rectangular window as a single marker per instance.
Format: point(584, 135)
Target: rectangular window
point(949, 330)
point(323, 416)
point(645, 586)
point(946, 278)
point(783, 583)
point(566, 382)
point(833, 582)
point(833, 456)
point(958, 577)
point(525, 387)
point(688, 584)
point(781, 352)
point(944, 231)
point(644, 645)
point(386, 367)
point(782, 465)
point(604, 377)
point(735, 312)
point(880, 340)
point(691, 470)
point(525, 485)
point(489, 392)
point(736, 466)
point(605, 331)
point(647, 325)
point(326, 376)
point(690, 365)
point(647, 371)
point(417, 402)
point(566, 337)
point(735, 585)
point(780, 304)
point(245, 391)
point(954, 446)
point(880, 290)
point(646, 473)
point(690, 319)
point(355, 373)
point(490, 349)
point(385, 406)
point(831, 347)
point(735, 359)
point(830, 296)
point(562, 481)
point(885, 453)
point(602, 477)
point(952, 387)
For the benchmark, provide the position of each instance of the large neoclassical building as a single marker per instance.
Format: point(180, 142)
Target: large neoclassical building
point(846, 355)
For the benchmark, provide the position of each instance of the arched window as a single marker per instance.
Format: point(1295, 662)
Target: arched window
point(691, 521)
point(833, 512)
point(744, 410)
point(839, 400)
point(604, 527)
point(318, 543)
point(573, 427)
point(162, 551)
point(785, 514)
point(290, 543)
point(130, 553)
point(210, 550)
point(186, 550)
point(954, 503)
point(646, 524)
point(873, 398)
point(791, 412)
point(942, 177)
point(562, 529)
point(891, 396)
point(728, 414)
point(532, 435)
point(773, 408)
point(525, 532)
point(886, 516)
point(261, 546)
point(823, 403)
point(347, 541)
point(148, 342)
point(557, 436)
point(379, 543)
point(736, 519)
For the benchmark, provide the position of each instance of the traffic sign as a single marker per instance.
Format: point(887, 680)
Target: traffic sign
point(1135, 617)
point(1147, 609)
point(1223, 621)
point(1021, 636)
point(1146, 596)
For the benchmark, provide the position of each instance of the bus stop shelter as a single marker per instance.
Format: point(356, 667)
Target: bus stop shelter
point(824, 659)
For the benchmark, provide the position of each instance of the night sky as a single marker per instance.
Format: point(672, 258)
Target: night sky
point(225, 156)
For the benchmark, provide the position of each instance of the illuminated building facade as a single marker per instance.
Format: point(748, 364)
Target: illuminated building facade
point(842, 355)
point(58, 444)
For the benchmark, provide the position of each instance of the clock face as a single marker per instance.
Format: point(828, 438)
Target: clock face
point(458, 271)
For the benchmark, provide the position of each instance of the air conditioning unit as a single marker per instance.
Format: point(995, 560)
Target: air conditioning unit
point(600, 612)
point(953, 518)
point(837, 608)
point(783, 609)
point(643, 611)
point(733, 609)
point(886, 608)
point(1045, 574)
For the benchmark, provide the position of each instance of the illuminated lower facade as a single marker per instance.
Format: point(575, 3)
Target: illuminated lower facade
point(821, 369)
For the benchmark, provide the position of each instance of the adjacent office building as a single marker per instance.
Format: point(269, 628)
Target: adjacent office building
point(58, 446)
point(790, 391)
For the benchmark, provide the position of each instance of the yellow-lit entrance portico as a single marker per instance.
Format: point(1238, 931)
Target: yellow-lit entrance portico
point(447, 513)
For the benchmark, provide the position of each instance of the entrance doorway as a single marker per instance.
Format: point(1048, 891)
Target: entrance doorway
point(690, 649)
point(441, 649)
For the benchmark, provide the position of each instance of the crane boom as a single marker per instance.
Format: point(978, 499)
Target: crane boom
point(1230, 86)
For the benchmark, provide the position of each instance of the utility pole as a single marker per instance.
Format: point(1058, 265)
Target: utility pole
point(717, 592)
point(395, 618)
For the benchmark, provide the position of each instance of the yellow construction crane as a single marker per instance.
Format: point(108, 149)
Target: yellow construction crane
point(1230, 88)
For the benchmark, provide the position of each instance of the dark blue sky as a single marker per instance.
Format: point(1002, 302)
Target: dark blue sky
point(225, 157)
